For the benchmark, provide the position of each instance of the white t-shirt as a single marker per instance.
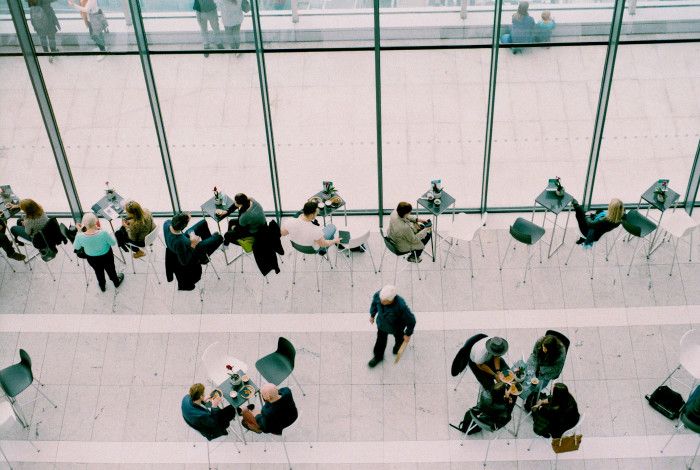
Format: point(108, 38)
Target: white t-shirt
point(303, 232)
point(479, 353)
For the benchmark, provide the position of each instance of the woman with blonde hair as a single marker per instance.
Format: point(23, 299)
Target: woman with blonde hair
point(136, 224)
point(594, 226)
point(97, 245)
point(32, 222)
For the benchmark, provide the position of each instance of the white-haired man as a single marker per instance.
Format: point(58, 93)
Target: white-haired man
point(393, 317)
point(278, 412)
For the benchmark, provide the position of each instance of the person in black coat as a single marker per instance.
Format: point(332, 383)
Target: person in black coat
point(555, 414)
point(393, 318)
point(496, 405)
point(203, 413)
point(594, 226)
point(278, 412)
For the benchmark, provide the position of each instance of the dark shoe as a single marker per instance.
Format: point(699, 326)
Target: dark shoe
point(48, 254)
point(396, 348)
point(220, 46)
point(19, 243)
point(103, 288)
point(17, 256)
point(120, 279)
point(413, 259)
point(239, 411)
point(580, 241)
point(373, 362)
point(250, 406)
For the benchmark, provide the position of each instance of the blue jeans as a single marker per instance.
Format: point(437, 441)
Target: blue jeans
point(328, 234)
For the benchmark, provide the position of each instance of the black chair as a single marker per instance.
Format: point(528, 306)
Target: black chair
point(277, 366)
point(561, 337)
point(16, 379)
point(49, 238)
point(462, 359)
point(685, 422)
point(390, 246)
point(527, 233)
point(638, 226)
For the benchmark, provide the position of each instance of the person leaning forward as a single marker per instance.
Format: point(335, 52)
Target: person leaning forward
point(393, 317)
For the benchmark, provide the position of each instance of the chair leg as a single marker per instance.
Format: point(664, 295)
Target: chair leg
point(50, 272)
point(481, 243)
point(527, 264)
point(352, 266)
point(381, 261)
point(43, 394)
point(5, 457)
point(592, 259)
point(214, 268)
point(18, 412)
point(133, 266)
point(675, 255)
point(471, 262)
point(505, 254)
point(284, 446)
point(154, 271)
point(417, 265)
point(634, 252)
point(298, 384)
point(371, 258)
point(460, 379)
point(678, 429)
point(447, 254)
point(318, 266)
point(294, 268)
point(208, 457)
point(690, 466)
point(396, 269)
point(566, 263)
point(9, 264)
point(488, 447)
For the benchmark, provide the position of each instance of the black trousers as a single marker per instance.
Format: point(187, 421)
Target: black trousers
point(102, 264)
point(425, 241)
point(582, 219)
point(6, 244)
point(380, 344)
point(122, 238)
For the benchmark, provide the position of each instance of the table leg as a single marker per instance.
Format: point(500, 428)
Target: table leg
point(434, 236)
point(119, 250)
point(563, 237)
point(551, 239)
point(532, 217)
point(345, 213)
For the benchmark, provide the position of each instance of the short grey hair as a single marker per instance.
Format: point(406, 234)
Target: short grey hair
point(89, 220)
point(387, 293)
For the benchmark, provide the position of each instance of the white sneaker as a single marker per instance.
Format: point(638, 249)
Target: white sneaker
point(100, 58)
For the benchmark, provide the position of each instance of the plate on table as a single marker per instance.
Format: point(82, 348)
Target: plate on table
point(247, 392)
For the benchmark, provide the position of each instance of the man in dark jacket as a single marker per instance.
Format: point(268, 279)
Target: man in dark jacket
point(211, 421)
point(393, 317)
point(278, 412)
point(6, 244)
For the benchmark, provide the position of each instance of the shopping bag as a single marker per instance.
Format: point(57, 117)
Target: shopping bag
point(566, 443)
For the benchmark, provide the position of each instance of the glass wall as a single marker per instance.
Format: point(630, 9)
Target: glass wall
point(312, 88)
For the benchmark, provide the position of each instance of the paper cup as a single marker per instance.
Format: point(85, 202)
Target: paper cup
point(233, 394)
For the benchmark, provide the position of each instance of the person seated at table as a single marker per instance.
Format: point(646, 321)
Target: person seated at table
point(555, 414)
point(546, 363)
point(278, 412)
point(495, 406)
point(594, 226)
point(692, 407)
point(192, 245)
point(408, 231)
point(136, 224)
point(204, 412)
point(97, 245)
point(251, 217)
point(32, 221)
point(6, 244)
point(305, 231)
point(487, 356)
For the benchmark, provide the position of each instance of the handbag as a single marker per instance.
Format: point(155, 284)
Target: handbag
point(98, 21)
point(566, 443)
point(245, 6)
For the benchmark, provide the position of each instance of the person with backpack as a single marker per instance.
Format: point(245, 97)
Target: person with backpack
point(45, 23)
point(96, 23)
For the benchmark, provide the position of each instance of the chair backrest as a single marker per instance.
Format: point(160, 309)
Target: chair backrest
point(391, 246)
point(307, 250)
point(690, 352)
point(461, 360)
point(357, 241)
point(286, 349)
point(51, 233)
point(522, 237)
point(151, 237)
point(561, 337)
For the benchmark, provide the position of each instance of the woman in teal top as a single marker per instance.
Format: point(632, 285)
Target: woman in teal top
point(97, 245)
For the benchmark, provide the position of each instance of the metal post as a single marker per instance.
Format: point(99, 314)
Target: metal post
point(603, 98)
point(378, 107)
point(463, 10)
point(144, 54)
point(693, 182)
point(496, 32)
point(42, 97)
point(269, 134)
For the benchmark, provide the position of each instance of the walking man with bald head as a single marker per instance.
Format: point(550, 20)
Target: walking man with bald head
point(393, 317)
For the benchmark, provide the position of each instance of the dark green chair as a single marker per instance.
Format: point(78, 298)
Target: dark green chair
point(309, 250)
point(638, 226)
point(527, 233)
point(277, 366)
point(390, 246)
point(685, 422)
point(16, 379)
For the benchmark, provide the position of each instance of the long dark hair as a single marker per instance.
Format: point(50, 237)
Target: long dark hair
point(561, 399)
point(555, 349)
point(243, 201)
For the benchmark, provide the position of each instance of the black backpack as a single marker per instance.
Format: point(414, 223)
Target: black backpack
point(466, 422)
point(666, 401)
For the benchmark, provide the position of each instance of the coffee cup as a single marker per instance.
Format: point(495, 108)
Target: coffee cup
point(245, 378)
point(535, 381)
point(233, 394)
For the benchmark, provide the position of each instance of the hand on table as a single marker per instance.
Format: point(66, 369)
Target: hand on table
point(221, 212)
point(336, 240)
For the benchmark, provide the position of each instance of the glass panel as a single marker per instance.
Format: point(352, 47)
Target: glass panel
point(434, 115)
point(212, 113)
point(653, 121)
point(543, 122)
point(323, 112)
point(26, 157)
point(106, 123)
point(8, 37)
point(219, 25)
point(670, 19)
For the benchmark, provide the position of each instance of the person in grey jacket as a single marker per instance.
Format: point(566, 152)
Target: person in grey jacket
point(546, 362)
point(407, 231)
point(251, 217)
point(393, 317)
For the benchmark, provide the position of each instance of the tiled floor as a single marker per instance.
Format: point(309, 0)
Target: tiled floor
point(118, 363)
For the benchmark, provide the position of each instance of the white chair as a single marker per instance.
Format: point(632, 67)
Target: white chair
point(686, 422)
point(689, 358)
point(354, 244)
point(8, 419)
point(215, 358)
point(149, 241)
point(571, 431)
point(679, 225)
point(462, 228)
